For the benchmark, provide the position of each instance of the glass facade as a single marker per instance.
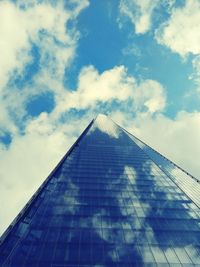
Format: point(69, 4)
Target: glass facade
point(110, 202)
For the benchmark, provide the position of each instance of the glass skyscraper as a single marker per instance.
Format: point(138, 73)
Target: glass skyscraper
point(111, 201)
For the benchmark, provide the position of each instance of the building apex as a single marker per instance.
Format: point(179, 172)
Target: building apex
point(101, 115)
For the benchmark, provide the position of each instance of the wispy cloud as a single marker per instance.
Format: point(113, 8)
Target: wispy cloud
point(44, 25)
point(139, 12)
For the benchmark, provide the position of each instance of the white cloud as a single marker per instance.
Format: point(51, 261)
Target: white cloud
point(114, 84)
point(119, 117)
point(5, 123)
point(181, 33)
point(43, 24)
point(94, 88)
point(132, 49)
point(140, 13)
point(18, 27)
point(151, 95)
point(111, 84)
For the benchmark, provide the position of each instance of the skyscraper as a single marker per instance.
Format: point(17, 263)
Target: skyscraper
point(111, 201)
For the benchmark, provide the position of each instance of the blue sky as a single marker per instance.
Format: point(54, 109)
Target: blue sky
point(62, 63)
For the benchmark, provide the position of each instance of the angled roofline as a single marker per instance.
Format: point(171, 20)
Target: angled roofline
point(162, 169)
point(193, 177)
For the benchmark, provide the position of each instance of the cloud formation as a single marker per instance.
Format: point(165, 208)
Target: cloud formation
point(139, 12)
point(181, 32)
point(22, 25)
point(43, 25)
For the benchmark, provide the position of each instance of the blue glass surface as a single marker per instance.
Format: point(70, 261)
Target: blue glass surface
point(107, 204)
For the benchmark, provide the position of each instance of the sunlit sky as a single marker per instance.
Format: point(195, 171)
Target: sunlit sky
point(63, 62)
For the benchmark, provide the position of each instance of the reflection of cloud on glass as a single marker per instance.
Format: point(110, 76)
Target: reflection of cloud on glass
point(71, 201)
point(131, 174)
point(85, 222)
point(150, 168)
point(194, 253)
point(182, 255)
point(113, 255)
point(96, 225)
point(185, 181)
point(105, 125)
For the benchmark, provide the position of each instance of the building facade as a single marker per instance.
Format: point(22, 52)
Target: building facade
point(111, 201)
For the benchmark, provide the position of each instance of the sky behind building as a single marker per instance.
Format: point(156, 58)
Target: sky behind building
point(63, 62)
